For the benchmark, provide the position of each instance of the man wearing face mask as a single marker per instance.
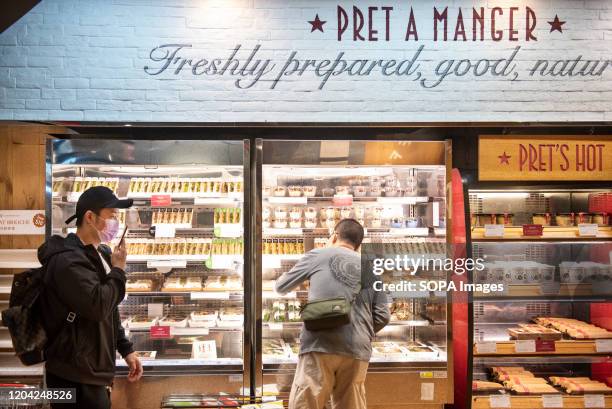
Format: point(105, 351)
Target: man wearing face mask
point(83, 285)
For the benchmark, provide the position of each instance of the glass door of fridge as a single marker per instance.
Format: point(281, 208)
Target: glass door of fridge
point(397, 191)
point(185, 304)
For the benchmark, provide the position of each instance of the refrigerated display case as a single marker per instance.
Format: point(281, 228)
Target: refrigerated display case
point(188, 288)
point(542, 341)
point(398, 192)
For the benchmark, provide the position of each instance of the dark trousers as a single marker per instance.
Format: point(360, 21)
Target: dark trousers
point(87, 396)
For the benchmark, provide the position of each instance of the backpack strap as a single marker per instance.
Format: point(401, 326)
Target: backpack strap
point(71, 315)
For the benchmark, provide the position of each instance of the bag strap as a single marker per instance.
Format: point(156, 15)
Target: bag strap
point(71, 315)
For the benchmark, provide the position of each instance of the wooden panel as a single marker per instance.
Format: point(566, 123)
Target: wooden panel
point(544, 158)
point(405, 153)
point(6, 187)
point(22, 175)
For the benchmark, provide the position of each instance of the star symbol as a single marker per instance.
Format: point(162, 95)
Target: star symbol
point(317, 24)
point(504, 158)
point(556, 24)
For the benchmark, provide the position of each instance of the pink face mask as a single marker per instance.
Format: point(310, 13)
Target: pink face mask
point(110, 230)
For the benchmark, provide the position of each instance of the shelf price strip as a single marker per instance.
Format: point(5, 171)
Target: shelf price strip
point(603, 345)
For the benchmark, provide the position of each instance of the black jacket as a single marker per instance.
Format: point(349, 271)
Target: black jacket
point(82, 351)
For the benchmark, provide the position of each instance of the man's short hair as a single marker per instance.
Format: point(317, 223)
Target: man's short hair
point(350, 231)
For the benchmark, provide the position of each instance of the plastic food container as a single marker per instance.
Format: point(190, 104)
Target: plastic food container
point(280, 223)
point(505, 219)
point(583, 218)
point(397, 222)
point(360, 191)
point(295, 222)
point(375, 191)
point(330, 223)
point(541, 218)
point(600, 219)
point(345, 212)
point(279, 191)
point(392, 191)
point(295, 212)
point(376, 181)
point(266, 213)
point(310, 223)
point(310, 213)
point(564, 219)
point(328, 192)
point(280, 213)
point(376, 222)
point(412, 222)
point(310, 191)
point(342, 190)
point(295, 191)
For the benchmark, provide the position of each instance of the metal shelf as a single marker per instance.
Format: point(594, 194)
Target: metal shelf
point(551, 234)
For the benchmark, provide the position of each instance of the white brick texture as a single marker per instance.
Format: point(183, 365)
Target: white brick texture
point(91, 60)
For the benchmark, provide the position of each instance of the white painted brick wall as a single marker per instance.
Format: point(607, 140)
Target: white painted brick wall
point(84, 60)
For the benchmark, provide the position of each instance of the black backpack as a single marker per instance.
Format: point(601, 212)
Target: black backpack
point(24, 318)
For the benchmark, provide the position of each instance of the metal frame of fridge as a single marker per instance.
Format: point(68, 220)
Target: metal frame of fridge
point(406, 377)
point(155, 384)
point(578, 303)
point(160, 381)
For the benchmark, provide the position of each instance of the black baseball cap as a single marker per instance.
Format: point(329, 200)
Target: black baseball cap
point(97, 198)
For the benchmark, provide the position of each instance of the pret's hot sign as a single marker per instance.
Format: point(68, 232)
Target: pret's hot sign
point(545, 158)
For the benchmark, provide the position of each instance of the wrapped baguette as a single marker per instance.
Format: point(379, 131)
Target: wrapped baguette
point(484, 386)
point(533, 389)
point(560, 380)
point(587, 388)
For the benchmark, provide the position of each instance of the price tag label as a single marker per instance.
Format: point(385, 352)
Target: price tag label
point(525, 346)
point(276, 326)
point(427, 391)
point(160, 332)
point(165, 264)
point(552, 288)
point(342, 200)
point(204, 350)
point(499, 401)
point(545, 346)
point(155, 310)
point(486, 347)
point(73, 197)
point(210, 295)
point(594, 401)
point(533, 230)
point(552, 401)
point(288, 200)
point(174, 331)
point(165, 230)
point(235, 378)
point(588, 230)
point(161, 200)
point(603, 345)
point(494, 230)
point(228, 230)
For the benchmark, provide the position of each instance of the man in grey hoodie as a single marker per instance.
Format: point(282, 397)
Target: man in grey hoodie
point(334, 362)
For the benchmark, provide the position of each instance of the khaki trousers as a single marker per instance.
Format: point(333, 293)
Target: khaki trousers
point(319, 376)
